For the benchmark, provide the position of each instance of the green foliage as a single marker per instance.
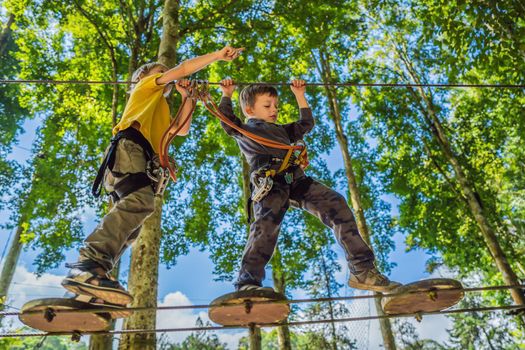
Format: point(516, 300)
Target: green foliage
point(308, 340)
point(44, 343)
point(391, 138)
point(195, 341)
point(433, 210)
point(483, 330)
point(409, 339)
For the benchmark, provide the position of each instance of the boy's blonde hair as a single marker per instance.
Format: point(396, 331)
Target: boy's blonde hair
point(140, 72)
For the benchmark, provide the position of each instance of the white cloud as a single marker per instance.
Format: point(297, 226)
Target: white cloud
point(187, 318)
point(26, 286)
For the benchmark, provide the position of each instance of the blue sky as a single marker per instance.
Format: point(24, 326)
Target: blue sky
point(191, 280)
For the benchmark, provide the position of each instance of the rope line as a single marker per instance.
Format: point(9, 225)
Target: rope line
point(290, 324)
point(395, 85)
point(296, 301)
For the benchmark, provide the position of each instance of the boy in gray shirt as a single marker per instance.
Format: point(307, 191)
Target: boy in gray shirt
point(273, 188)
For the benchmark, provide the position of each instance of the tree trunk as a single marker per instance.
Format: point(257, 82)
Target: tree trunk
point(255, 338)
point(355, 197)
point(10, 262)
point(279, 282)
point(254, 332)
point(143, 282)
point(105, 342)
point(6, 33)
point(170, 33)
point(474, 201)
point(143, 278)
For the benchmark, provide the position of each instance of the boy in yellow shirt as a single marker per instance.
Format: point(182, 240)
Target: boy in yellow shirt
point(136, 140)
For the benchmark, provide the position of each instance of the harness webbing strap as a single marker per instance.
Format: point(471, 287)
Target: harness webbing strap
point(132, 183)
point(109, 160)
point(212, 107)
point(285, 164)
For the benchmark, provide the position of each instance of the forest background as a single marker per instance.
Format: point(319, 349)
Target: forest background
point(434, 175)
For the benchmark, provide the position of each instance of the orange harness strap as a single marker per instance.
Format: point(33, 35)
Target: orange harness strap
point(199, 91)
point(170, 134)
point(302, 158)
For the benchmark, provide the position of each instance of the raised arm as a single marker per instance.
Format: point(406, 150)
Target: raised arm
point(298, 129)
point(193, 65)
point(226, 107)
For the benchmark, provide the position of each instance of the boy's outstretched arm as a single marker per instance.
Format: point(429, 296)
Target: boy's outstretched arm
point(193, 65)
point(182, 87)
point(226, 107)
point(298, 129)
point(299, 89)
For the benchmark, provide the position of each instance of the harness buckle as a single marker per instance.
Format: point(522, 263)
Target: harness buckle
point(163, 181)
point(262, 182)
point(159, 176)
point(297, 152)
point(262, 186)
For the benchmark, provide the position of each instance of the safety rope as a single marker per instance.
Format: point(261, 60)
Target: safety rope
point(302, 158)
point(293, 301)
point(170, 134)
point(394, 85)
point(418, 316)
point(197, 91)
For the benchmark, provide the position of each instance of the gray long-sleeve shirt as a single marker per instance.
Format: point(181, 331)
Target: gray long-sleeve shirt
point(256, 154)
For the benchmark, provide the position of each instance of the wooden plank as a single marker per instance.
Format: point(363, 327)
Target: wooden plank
point(423, 296)
point(244, 312)
point(49, 321)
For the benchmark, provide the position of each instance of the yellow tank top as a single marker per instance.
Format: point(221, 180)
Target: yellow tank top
point(148, 107)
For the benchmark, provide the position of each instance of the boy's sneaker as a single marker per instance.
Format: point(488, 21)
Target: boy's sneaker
point(88, 278)
point(247, 287)
point(373, 280)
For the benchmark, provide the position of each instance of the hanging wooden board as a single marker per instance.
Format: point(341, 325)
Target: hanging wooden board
point(423, 296)
point(48, 320)
point(241, 309)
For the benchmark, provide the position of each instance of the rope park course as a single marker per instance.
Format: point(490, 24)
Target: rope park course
point(249, 310)
point(437, 297)
point(511, 310)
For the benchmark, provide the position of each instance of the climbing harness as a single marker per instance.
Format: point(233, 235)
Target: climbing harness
point(131, 182)
point(263, 178)
point(159, 168)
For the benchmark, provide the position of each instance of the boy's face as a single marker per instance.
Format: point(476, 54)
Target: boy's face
point(265, 108)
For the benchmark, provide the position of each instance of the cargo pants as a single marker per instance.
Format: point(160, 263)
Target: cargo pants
point(122, 224)
point(326, 204)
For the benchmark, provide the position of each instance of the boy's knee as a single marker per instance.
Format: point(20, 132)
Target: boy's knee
point(338, 199)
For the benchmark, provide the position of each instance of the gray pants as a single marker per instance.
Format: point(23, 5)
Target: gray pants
point(122, 224)
point(326, 204)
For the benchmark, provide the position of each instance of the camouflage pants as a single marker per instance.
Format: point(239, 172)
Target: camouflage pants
point(326, 204)
point(122, 224)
